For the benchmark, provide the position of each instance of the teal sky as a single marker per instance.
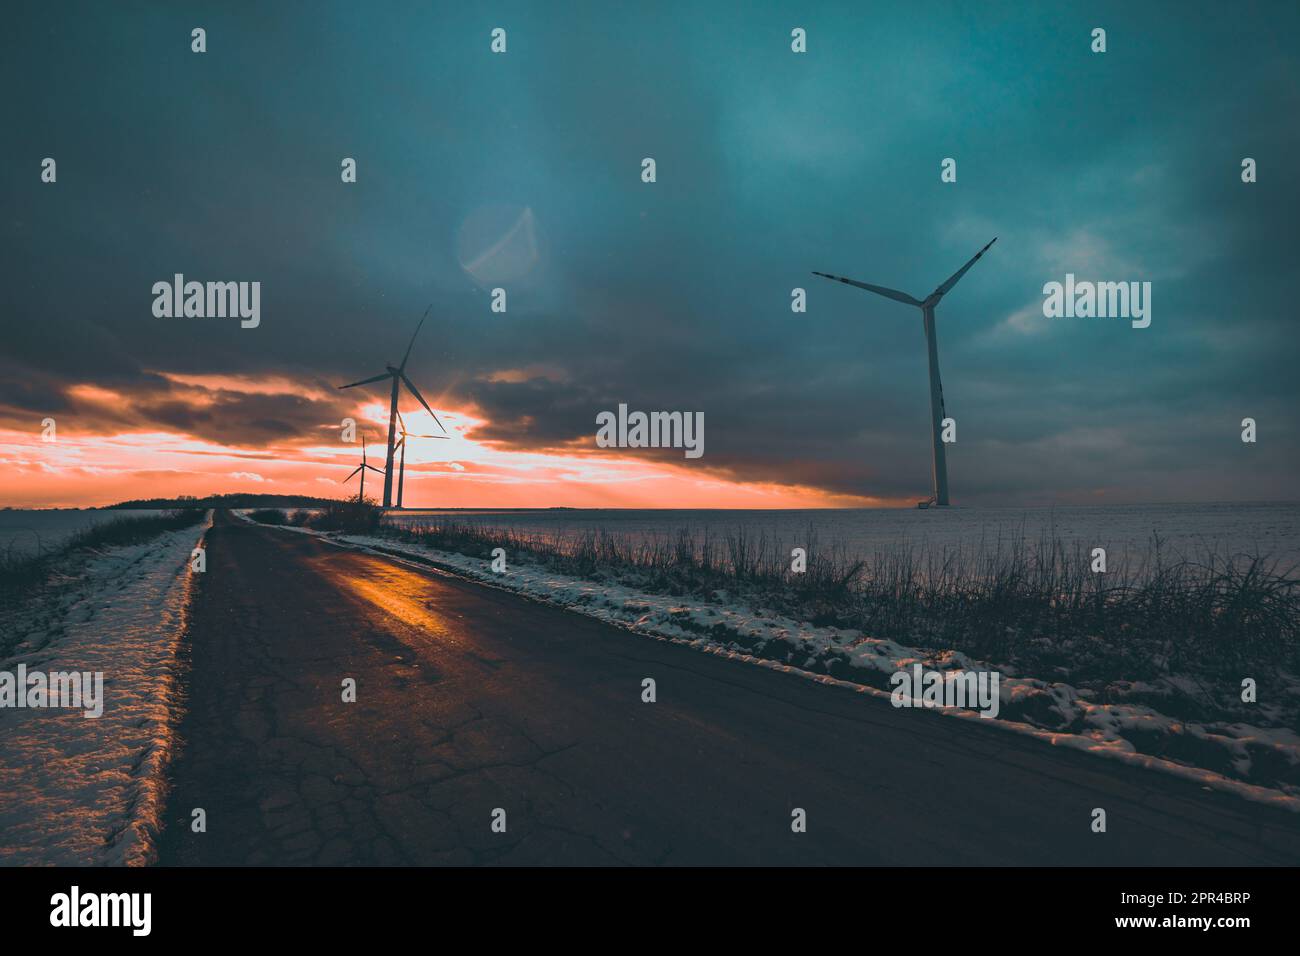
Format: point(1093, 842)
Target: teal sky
point(676, 295)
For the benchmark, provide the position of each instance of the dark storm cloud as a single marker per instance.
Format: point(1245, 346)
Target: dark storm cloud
point(676, 295)
point(244, 419)
point(147, 402)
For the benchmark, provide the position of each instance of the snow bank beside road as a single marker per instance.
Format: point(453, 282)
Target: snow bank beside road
point(78, 791)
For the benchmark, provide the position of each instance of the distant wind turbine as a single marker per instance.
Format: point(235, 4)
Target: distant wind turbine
point(398, 376)
point(937, 413)
point(401, 443)
point(362, 468)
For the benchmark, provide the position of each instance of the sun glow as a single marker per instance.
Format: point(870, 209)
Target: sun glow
point(85, 468)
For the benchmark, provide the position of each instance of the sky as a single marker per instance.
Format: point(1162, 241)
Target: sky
point(523, 171)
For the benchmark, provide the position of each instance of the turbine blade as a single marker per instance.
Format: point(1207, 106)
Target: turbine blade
point(367, 381)
point(416, 392)
point(377, 471)
point(878, 289)
point(412, 342)
point(943, 289)
point(351, 476)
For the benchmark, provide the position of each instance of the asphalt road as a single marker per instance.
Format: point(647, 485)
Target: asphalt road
point(471, 699)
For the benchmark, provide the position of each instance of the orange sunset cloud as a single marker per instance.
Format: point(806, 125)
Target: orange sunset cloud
point(90, 463)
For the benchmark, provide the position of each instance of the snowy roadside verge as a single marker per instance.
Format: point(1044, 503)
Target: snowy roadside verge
point(1261, 764)
point(79, 791)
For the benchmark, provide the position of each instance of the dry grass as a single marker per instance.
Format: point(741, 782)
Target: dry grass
point(355, 515)
point(1004, 600)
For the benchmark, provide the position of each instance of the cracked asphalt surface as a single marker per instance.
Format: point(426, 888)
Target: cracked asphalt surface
point(471, 699)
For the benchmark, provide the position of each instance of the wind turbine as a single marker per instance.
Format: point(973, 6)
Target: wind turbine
point(937, 413)
point(398, 376)
point(362, 469)
point(401, 443)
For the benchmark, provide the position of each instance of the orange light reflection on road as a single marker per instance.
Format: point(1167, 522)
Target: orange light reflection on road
point(396, 592)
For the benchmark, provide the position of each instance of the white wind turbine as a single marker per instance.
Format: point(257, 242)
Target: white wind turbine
point(362, 469)
point(937, 413)
point(401, 443)
point(398, 377)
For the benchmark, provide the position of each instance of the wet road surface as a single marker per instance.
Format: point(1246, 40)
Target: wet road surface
point(471, 699)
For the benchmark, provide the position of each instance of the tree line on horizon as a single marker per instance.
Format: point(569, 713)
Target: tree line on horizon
point(234, 500)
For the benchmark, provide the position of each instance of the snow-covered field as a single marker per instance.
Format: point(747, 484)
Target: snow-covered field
point(27, 533)
point(1124, 530)
point(1234, 757)
point(78, 791)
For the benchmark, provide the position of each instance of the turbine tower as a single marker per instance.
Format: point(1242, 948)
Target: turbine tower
point(397, 376)
point(401, 443)
point(937, 413)
point(362, 468)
